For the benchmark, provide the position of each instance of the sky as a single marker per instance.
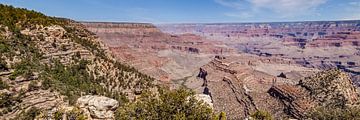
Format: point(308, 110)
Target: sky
point(195, 11)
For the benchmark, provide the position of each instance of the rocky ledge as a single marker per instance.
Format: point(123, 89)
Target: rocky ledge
point(98, 107)
point(331, 88)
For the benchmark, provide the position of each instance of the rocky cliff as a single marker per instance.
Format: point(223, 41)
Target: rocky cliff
point(47, 63)
point(237, 88)
point(242, 87)
point(163, 56)
point(54, 68)
point(331, 89)
point(314, 44)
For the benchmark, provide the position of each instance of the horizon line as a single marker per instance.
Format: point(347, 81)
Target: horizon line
point(209, 23)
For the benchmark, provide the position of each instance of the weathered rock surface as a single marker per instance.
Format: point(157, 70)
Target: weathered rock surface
point(237, 87)
point(331, 88)
point(318, 44)
point(205, 98)
point(240, 84)
point(98, 107)
point(160, 55)
point(69, 43)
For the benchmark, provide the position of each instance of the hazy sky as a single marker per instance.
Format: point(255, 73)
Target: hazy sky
point(180, 11)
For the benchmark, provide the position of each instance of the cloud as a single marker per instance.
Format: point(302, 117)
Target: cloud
point(231, 3)
point(354, 10)
point(242, 15)
point(354, 3)
point(284, 8)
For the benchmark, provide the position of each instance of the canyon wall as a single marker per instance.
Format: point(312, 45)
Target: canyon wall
point(163, 56)
point(314, 44)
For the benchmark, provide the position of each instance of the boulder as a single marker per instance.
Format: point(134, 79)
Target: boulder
point(98, 107)
point(205, 98)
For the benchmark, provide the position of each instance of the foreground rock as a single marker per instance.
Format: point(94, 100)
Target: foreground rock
point(98, 107)
point(205, 98)
point(332, 89)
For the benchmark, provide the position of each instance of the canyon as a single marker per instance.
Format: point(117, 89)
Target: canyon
point(57, 68)
point(242, 67)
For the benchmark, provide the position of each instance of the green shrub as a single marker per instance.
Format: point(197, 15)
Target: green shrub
point(3, 85)
point(175, 104)
point(3, 64)
point(30, 114)
point(58, 115)
point(25, 68)
point(74, 80)
point(76, 114)
point(33, 85)
point(323, 113)
point(221, 116)
point(261, 115)
point(9, 100)
point(24, 18)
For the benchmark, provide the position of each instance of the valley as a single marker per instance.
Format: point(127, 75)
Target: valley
point(62, 69)
point(235, 66)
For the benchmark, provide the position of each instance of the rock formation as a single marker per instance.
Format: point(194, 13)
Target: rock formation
point(240, 88)
point(98, 107)
point(160, 55)
point(316, 44)
point(237, 88)
point(332, 88)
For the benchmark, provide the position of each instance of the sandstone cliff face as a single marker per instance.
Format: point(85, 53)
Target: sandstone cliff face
point(332, 88)
point(322, 45)
point(237, 88)
point(240, 87)
point(163, 56)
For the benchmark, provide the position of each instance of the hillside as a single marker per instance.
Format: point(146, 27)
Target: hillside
point(246, 89)
point(240, 68)
point(55, 68)
point(163, 56)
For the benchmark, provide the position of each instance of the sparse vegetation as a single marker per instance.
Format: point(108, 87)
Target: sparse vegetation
point(33, 85)
point(23, 18)
point(7, 101)
point(75, 79)
point(58, 115)
point(3, 85)
point(323, 113)
point(71, 81)
point(221, 116)
point(3, 66)
point(76, 114)
point(25, 68)
point(169, 105)
point(30, 114)
point(261, 115)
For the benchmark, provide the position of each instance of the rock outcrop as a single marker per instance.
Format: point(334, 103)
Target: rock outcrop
point(331, 88)
point(237, 89)
point(98, 107)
